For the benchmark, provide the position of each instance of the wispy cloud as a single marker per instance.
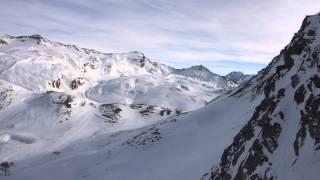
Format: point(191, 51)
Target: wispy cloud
point(224, 35)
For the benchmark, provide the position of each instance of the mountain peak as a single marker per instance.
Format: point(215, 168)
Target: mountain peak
point(136, 55)
point(199, 67)
point(204, 74)
point(236, 73)
point(283, 131)
point(238, 77)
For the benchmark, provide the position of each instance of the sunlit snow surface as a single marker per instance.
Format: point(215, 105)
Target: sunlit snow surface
point(73, 113)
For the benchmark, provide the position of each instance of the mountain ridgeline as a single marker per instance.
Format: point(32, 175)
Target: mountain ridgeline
point(281, 140)
point(39, 65)
point(238, 77)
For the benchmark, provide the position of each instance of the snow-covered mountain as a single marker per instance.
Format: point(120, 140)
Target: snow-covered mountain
point(53, 95)
point(281, 139)
point(203, 74)
point(238, 77)
point(267, 128)
point(39, 65)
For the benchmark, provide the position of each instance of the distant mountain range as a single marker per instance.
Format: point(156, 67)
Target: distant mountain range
point(39, 65)
point(238, 77)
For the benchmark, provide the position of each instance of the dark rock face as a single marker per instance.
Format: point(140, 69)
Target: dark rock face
point(5, 168)
point(36, 37)
point(5, 97)
point(3, 41)
point(316, 81)
point(56, 83)
point(294, 80)
point(143, 61)
point(165, 112)
point(266, 139)
point(299, 94)
point(74, 84)
point(68, 102)
point(147, 111)
point(290, 80)
point(310, 122)
point(62, 99)
point(111, 112)
point(147, 137)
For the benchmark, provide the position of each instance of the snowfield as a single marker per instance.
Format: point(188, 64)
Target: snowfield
point(172, 91)
point(181, 145)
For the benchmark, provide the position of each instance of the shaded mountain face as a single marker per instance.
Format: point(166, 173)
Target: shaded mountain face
point(281, 140)
point(203, 74)
point(238, 77)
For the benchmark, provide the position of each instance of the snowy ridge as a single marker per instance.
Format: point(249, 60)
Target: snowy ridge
point(36, 62)
point(238, 77)
point(281, 138)
point(203, 74)
point(41, 65)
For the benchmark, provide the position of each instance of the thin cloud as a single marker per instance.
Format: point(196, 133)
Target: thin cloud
point(177, 32)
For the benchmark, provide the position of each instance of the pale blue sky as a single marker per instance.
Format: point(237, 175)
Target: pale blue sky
point(222, 35)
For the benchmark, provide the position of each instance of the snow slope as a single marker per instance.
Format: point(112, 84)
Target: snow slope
point(281, 140)
point(81, 148)
point(55, 98)
point(171, 91)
